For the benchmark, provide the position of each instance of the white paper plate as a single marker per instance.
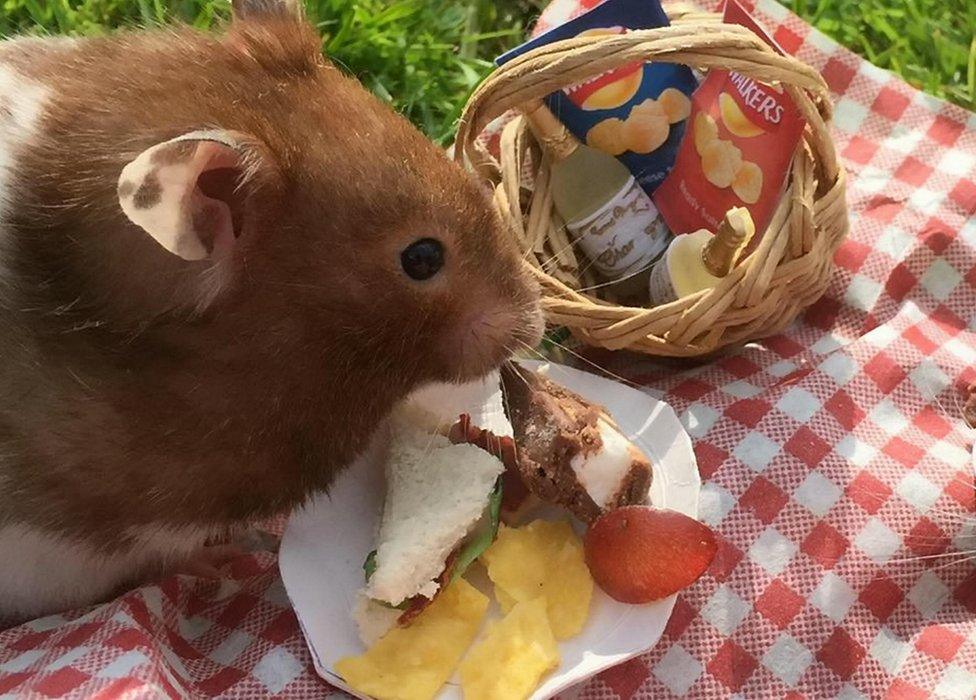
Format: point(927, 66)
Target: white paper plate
point(325, 543)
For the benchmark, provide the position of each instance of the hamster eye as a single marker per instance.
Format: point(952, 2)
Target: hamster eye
point(422, 259)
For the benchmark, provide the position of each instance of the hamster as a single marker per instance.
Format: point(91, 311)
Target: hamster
point(222, 262)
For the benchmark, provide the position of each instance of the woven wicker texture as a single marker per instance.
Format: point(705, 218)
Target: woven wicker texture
point(786, 272)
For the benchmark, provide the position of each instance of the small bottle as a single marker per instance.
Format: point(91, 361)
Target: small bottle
point(700, 260)
point(610, 216)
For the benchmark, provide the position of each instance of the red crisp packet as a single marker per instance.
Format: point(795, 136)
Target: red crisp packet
point(737, 150)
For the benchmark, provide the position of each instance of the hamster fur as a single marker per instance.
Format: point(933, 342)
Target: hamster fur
point(204, 309)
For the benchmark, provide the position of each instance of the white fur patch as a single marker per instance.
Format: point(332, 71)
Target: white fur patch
point(44, 573)
point(22, 103)
point(25, 45)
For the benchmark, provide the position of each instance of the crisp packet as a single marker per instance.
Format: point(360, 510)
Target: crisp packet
point(738, 148)
point(636, 112)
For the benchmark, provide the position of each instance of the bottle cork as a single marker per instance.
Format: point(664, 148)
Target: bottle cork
point(551, 133)
point(721, 253)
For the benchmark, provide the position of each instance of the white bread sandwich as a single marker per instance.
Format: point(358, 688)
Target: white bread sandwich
point(436, 493)
point(441, 511)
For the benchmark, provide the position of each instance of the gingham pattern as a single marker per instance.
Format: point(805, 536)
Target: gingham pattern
point(834, 460)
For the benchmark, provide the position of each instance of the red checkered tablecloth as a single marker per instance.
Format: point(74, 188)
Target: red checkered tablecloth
point(837, 472)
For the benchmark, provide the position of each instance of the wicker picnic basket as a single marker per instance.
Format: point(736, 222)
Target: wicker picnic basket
point(786, 272)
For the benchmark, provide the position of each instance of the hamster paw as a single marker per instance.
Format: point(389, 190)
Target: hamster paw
point(206, 562)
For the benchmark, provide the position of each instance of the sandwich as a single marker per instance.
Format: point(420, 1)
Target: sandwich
point(441, 512)
point(449, 483)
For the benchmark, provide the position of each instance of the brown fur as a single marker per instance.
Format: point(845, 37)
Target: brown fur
point(139, 388)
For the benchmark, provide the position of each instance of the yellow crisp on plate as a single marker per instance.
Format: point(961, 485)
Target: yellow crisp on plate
point(542, 558)
point(513, 657)
point(412, 663)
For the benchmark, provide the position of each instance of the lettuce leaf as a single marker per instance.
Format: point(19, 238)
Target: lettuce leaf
point(369, 566)
point(482, 537)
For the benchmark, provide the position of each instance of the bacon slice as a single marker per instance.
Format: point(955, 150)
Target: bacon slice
point(514, 491)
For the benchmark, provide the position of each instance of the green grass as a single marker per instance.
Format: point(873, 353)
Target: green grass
point(425, 56)
point(931, 43)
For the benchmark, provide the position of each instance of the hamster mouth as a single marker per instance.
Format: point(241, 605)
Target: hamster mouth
point(491, 338)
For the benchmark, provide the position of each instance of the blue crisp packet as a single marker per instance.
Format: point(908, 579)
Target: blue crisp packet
point(636, 112)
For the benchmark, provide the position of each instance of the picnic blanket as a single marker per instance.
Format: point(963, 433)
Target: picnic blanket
point(836, 467)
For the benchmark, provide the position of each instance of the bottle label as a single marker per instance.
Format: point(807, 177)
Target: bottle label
point(623, 236)
point(660, 288)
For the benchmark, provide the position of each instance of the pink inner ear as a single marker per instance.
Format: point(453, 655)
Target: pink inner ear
point(217, 204)
point(222, 185)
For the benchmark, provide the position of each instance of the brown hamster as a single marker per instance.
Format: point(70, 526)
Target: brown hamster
point(221, 263)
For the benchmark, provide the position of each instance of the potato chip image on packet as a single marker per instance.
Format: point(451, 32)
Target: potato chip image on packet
point(636, 112)
point(742, 135)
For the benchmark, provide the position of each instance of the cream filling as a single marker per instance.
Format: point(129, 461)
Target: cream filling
point(601, 473)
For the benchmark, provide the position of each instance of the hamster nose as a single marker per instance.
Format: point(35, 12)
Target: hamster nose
point(490, 337)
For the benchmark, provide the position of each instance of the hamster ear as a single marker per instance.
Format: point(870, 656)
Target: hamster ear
point(187, 193)
point(266, 9)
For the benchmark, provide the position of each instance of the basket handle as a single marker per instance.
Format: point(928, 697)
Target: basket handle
point(707, 45)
